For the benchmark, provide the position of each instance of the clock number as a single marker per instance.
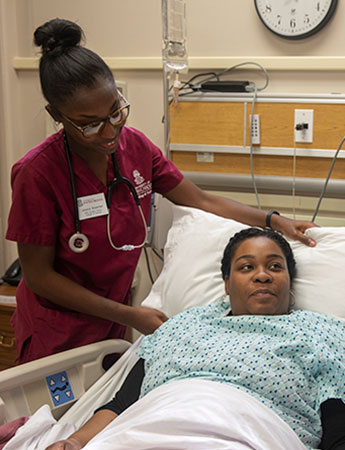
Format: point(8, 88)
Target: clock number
point(295, 19)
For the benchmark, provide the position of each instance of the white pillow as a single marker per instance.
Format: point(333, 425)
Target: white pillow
point(320, 282)
point(191, 272)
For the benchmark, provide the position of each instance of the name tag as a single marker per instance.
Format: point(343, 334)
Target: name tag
point(92, 206)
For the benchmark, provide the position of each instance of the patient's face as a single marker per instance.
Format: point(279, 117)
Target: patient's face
point(259, 281)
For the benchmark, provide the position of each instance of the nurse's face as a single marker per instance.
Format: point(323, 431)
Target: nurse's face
point(90, 106)
point(259, 281)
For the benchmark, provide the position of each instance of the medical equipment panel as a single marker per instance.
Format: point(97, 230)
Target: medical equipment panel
point(219, 123)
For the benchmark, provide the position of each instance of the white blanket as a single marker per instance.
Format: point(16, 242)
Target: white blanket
point(189, 414)
point(39, 431)
point(197, 414)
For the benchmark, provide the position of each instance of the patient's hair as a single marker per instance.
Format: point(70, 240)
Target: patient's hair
point(248, 233)
point(65, 65)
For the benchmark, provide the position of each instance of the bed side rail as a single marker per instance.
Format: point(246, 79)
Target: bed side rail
point(57, 380)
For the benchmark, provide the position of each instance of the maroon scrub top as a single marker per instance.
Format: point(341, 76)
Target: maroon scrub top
point(42, 213)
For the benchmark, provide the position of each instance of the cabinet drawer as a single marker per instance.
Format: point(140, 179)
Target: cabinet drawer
point(7, 350)
point(7, 344)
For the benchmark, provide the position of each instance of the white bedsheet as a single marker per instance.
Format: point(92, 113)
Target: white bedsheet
point(189, 414)
point(197, 414)
point(39, 431)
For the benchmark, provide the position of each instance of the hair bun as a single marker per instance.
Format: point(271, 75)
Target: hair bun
point(57, 35)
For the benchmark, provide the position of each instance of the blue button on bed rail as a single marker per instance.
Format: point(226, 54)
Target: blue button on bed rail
point(60, 388)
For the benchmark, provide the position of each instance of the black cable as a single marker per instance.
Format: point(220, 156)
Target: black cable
point(197, 88)
point(185, 83)
point(229, 69)
point(148, 265)
point(157, 254)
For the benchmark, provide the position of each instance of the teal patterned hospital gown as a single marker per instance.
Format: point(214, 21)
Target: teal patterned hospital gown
point(291, 363)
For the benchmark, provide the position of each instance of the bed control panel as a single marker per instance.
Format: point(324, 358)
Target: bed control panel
point(59, 388)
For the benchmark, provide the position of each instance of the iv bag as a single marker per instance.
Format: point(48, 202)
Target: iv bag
point(174, 35)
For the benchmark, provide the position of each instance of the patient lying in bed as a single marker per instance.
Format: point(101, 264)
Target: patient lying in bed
point(253, 375)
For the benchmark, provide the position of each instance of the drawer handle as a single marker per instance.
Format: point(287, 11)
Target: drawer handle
point(4, 344)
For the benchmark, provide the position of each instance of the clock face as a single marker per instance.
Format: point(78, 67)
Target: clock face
point(295, 19)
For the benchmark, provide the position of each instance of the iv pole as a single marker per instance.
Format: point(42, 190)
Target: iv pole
point(166, 118)
point(174, 55)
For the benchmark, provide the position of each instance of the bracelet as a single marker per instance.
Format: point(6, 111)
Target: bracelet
point(268, 218)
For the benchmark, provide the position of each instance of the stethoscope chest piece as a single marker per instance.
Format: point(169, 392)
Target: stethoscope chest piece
point(78, 243)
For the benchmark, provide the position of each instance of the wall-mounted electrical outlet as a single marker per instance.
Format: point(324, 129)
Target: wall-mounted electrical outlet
point(304, 124)
point(255, 128)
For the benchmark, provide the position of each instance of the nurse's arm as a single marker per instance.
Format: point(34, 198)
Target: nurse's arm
point(188, 194)
point(37, 262)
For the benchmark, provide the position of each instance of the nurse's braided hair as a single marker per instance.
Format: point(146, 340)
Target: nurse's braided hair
point(248, 233)
point(65, 65)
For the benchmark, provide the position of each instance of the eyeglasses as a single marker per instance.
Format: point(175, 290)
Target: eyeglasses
point(116, 119)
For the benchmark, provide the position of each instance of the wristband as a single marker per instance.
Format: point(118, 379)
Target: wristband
point(268, 218)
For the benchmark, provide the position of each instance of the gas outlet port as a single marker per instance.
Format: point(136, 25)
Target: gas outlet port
point(304, 125)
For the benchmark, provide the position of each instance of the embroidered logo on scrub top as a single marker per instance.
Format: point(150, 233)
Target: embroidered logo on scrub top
point(143, 187)
point(138, 179)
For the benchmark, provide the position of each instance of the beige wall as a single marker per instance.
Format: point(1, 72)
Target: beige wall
point(220, 33)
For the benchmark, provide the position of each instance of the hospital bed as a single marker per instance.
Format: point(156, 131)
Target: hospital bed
point(73, 384)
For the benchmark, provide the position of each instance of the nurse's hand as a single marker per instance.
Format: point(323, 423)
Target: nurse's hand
point(147, 320)
point(67, 444)
point(293, 229)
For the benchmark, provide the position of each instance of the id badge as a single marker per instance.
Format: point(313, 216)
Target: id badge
point(91, 206)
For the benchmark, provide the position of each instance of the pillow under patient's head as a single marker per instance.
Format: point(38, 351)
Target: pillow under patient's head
point(191, 274)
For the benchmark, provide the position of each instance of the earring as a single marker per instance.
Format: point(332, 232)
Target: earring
point(57, 125)
point(225, 298)
point(292, 300)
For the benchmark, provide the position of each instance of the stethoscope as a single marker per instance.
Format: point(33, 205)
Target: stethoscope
point(79, 242)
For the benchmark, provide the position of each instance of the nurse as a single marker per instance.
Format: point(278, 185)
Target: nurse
point(81, 201)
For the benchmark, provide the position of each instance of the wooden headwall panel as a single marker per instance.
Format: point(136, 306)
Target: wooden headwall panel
point(221, 123)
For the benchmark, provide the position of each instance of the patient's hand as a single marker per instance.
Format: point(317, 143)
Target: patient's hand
point(67, 444)
point(89, 430)
point(147, 320)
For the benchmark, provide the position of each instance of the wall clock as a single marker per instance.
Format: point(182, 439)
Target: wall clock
point(295, 19)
